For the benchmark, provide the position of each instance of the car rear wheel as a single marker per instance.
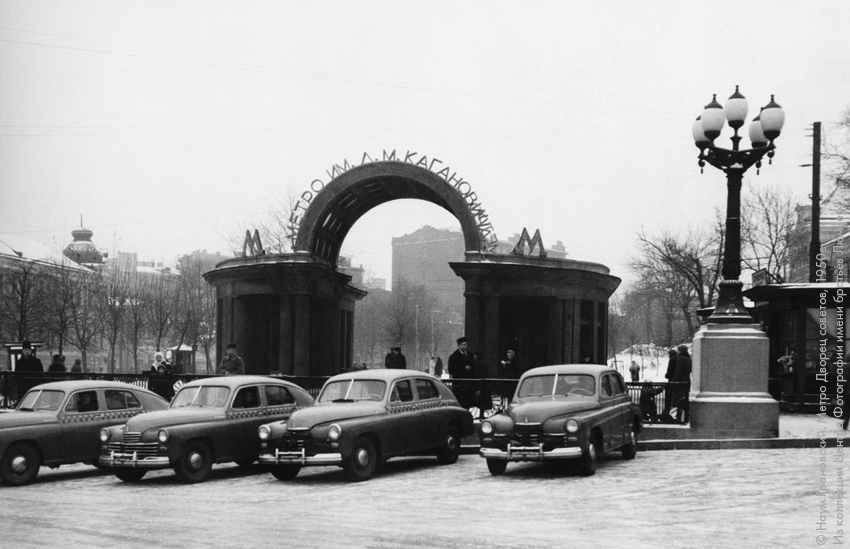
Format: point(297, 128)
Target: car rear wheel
point(363, 461)
point(286, 472)
point(195, 464)
point(590, 458)
point(20, 464)
point(497, 466)
point(129, 475)
point(450, 450)
point(630, 449)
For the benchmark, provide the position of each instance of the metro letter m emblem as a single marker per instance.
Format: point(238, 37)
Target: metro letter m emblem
point(252, 244)
point(524, 239)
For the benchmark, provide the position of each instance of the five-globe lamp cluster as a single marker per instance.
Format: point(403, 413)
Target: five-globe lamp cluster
point(763, 130)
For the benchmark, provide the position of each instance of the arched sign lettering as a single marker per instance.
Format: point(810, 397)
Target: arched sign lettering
point(325, 213)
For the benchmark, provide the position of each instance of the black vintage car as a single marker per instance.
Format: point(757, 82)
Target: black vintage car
point(572, 411)
point(58, 423)
point(364, 418)
point(211, 420)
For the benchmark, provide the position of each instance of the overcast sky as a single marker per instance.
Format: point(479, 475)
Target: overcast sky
point(172, 125)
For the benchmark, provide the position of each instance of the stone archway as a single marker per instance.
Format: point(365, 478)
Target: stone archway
point(352, 194)
point(293, 313)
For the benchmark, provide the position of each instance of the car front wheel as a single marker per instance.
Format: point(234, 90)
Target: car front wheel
point(630, 449)
point(450, 450)
point(590, 459)
point(497, 466)
point(362, 462)
point(129, 475)
point(20, 465)
point(195, 464)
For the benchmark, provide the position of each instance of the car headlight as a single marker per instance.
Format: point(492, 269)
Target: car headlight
point(487, 428)
point(264, 432)
point(572, 426)
point(104, 435)
point(162, 436)
point(334, 432)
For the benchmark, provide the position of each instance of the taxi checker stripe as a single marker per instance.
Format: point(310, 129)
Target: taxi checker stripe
point(254, 412)
point(399, 408)
point(97, 416)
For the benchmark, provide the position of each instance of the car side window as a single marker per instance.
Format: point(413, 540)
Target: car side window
point(121, 400)
point(607, 391)
point(84, 401)
point(402, 392)
point(617, 385)
point(278, 396)
point(425, 389)
point(247, 397)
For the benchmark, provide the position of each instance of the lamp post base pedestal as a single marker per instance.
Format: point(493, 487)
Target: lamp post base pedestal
point(729, 397)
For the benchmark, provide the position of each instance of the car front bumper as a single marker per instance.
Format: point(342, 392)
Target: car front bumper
point(530, 453)
point(131, 459)
point(300, 457)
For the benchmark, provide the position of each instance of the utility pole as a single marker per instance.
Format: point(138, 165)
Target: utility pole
point(814, 247)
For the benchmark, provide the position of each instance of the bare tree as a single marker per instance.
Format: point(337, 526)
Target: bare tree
point(276, 227)
point(196, 302)
point(685, 269)
point(85, 315)
point(368, 338)
point(769, 216)
point(24, 300)
point(400, 313)
point(160, 309)
point(113, 307)
point(136, 322)
point(62, 285)
point(837, 150)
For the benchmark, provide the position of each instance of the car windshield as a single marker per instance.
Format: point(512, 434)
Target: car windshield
point(557, 384)
point(41, 400)
point(350, 390)
point(205, 395)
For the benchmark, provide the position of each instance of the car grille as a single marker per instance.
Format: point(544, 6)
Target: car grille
point(294, 443)
point(531, 434)
point(132, 437)
point(527, 434)
point(131, 444)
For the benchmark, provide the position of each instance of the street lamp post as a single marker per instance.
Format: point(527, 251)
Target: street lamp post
point(728, 397)
point(763, 130)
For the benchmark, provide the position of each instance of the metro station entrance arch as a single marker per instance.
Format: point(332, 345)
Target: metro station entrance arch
point(292, 313)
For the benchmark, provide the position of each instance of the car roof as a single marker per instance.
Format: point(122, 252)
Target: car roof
point(383, 374)
point(77, 384)
point(590, 369)
point(239, 380)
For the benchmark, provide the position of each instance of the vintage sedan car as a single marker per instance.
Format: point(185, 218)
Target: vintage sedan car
point(212, 420)
point(572, 411)
point(363, 418)
point(58, 423)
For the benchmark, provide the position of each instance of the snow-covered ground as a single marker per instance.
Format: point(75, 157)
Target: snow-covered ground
point(651, 358)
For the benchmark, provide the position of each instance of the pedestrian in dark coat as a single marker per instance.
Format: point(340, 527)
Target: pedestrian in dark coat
point(57, 365)
point(683, 376)
point(462, 365)
point(672, 358)
point(28, 361)
point(395, 360)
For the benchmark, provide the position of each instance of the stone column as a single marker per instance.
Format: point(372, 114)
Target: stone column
point(301, 336)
